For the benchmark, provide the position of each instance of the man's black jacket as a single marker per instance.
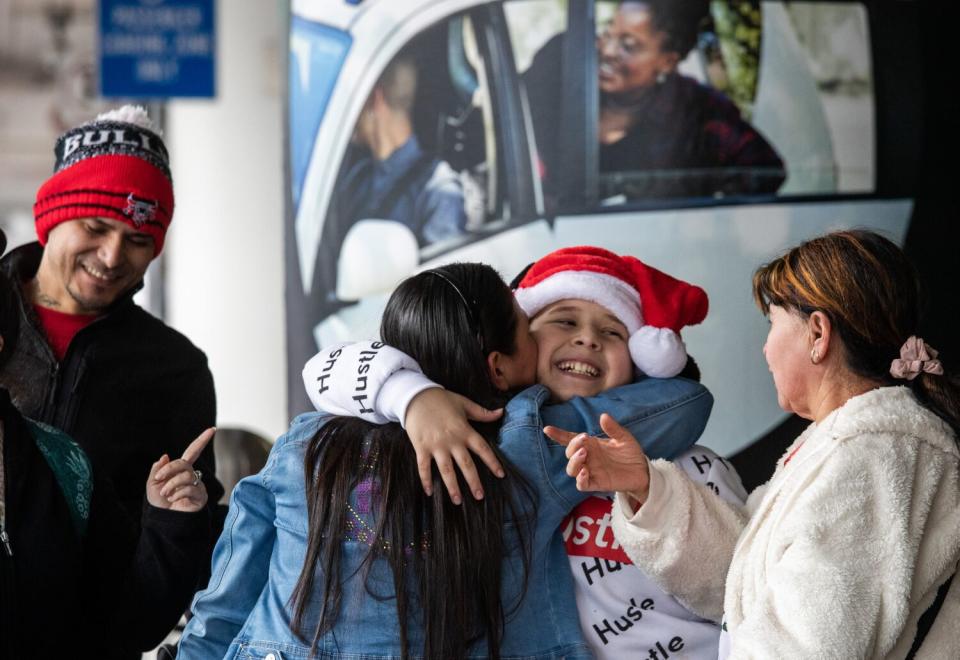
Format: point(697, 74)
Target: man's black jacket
point(129, 389)
point(101, 592)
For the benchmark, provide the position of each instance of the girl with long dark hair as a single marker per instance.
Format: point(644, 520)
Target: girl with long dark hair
point(334, 550)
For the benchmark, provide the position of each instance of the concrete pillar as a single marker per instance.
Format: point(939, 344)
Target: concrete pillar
point(224, 263)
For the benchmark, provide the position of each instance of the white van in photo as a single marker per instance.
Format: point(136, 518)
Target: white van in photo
point(772, 122)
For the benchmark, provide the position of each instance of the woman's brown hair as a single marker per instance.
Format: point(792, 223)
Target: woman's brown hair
point(870, 292)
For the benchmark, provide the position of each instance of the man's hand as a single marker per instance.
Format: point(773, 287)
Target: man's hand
point(436, 422)
point(617, 464)
point(175, 485)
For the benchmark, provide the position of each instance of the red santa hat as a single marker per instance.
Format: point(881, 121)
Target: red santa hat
point(652, 305)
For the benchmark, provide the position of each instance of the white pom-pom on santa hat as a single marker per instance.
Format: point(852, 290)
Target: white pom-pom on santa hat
point(651, 304)
point(658, 352)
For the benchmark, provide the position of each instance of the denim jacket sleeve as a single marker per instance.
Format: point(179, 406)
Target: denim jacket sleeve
point(666, 415)
point(241, 562)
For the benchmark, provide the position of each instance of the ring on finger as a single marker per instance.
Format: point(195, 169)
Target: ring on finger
point(197, 475)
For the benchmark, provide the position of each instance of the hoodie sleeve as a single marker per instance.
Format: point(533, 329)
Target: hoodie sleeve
point(682, 537)
point(368, 379)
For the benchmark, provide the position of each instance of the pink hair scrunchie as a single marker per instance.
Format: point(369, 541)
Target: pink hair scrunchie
point(916, 357)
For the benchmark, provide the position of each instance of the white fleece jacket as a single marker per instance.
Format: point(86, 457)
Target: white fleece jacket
point(837, 556)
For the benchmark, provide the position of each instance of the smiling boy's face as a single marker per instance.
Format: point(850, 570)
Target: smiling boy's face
point(582, 349)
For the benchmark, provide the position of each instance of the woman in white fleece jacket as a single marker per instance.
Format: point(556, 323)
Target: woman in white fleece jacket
point(846, 546)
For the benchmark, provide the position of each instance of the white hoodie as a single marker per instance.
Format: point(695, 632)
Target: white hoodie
point(837, 556)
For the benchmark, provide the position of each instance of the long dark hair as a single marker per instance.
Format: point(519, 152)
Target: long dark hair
point(870, 292)
point(446, 560)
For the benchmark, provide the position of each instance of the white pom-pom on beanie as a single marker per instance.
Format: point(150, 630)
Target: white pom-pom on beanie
point(130, 114)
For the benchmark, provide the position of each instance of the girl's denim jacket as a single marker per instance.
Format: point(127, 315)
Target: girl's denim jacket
point(244, 612)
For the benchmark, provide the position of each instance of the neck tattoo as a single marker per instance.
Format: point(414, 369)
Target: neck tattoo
point(39, 297)
point(45, 300)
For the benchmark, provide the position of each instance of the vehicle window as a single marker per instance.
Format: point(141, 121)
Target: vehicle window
point(532, 23)
point(537, 29)
point(707, 99)
point(834, 42)
point(711, 99)
point(316, 57)
point(423, 150)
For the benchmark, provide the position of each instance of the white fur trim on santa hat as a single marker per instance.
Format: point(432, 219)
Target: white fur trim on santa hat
point(621, 299)
point(658, 352)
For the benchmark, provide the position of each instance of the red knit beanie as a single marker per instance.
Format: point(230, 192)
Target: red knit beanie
point(114, 167)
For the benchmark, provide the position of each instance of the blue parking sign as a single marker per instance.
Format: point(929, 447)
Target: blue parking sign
point(157, 48)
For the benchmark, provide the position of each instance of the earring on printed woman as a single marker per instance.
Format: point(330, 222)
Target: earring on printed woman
point(814, 356)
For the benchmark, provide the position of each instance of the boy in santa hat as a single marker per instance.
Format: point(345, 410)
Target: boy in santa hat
point(601, 321)
point(598, 319)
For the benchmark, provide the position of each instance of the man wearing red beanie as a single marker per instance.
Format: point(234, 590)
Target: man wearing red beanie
point(79, 354)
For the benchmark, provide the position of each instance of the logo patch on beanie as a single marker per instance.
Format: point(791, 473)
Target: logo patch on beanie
point(140, 210)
